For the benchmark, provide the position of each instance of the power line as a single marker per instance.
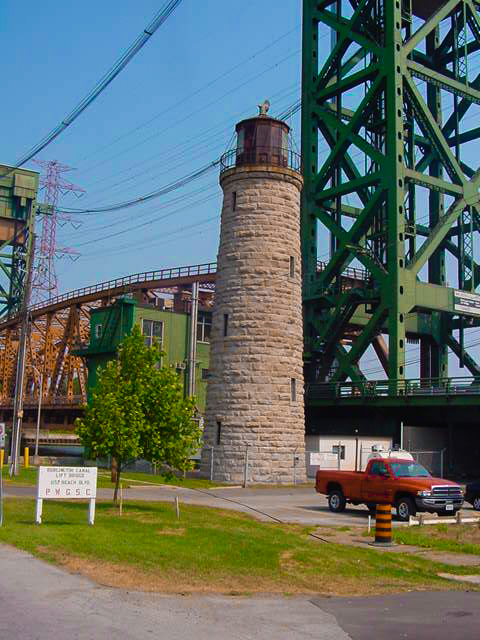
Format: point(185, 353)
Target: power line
point(181, 182)
point(154, 241)
point(143, 224)
point(195, 112)
point(140, 215)
point(189, 96)
point(157, 193)
point(202, 140)
point(103, 83)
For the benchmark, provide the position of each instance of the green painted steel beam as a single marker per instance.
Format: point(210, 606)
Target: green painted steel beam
point(443, 81)
point(18, 205)
point(362, 98)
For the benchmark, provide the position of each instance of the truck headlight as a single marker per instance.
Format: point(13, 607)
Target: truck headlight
point(424, 493)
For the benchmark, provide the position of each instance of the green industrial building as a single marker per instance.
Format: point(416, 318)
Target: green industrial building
point(183, 348)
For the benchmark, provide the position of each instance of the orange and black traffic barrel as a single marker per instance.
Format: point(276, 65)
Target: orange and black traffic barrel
point(383, 524)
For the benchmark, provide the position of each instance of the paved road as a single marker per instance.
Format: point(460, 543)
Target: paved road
point(300, 505)
point(447, 615)
point(42, 602)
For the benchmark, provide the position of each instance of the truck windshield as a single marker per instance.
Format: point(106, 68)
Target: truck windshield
point(409, 470)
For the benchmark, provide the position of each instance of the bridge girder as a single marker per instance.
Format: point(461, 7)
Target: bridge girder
point(385, 139)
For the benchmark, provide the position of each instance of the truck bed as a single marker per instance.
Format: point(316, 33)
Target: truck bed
point(350, 481)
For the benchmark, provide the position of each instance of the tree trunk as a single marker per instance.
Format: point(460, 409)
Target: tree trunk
point(117, 483)
point(113, 470)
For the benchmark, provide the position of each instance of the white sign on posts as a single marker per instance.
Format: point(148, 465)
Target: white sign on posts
point(2, 435)
point(56, 483)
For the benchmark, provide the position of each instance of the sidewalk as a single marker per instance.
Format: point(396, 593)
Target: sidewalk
point(42, 602)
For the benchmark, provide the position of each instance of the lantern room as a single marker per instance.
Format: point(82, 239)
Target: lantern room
point(262, 140)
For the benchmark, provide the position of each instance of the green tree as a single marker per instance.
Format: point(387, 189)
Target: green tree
point(138, 411)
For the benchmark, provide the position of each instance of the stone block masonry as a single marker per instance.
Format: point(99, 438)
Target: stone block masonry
point(255, 391)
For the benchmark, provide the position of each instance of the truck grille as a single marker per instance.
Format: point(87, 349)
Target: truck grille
point(447, 492)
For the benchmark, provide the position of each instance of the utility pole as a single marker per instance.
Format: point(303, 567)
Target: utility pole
point(40, 395)
point(20, 375)
point(192, 356)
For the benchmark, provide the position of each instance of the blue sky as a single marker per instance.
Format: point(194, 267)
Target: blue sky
point(171, 111)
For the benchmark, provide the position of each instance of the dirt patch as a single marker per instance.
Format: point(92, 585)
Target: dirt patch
point(465, 534)
point(138, 516)
point(286, 561)
point(129, 577)
point(171, 532)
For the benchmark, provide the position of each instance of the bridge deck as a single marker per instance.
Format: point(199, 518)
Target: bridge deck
point(435, 392)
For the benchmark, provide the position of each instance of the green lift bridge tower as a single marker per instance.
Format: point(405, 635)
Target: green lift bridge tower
point(390, 126)
point(18, 205)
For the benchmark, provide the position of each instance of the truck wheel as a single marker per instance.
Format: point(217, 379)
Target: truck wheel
point(336, 501)
point(476, 503)
point(405, 508)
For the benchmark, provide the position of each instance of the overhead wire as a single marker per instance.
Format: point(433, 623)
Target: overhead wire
point(203, 140)
point(142, 213)
point(291, 110)
point(284, 115)
point(195, 112)
point(103, 83)
point(139, 226)
point(195, 93)
point(154, 241)
point(177, 184)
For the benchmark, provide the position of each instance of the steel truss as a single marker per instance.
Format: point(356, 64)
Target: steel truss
point(398, 188)
point(59, 327)
point(18, 204)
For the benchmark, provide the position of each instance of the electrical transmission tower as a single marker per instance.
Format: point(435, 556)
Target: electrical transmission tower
point(46, 250)
point(391, 188)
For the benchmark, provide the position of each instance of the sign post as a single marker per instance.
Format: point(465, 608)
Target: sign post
point(57, 483)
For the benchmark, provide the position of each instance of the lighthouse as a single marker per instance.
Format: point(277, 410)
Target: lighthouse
point(254, 423)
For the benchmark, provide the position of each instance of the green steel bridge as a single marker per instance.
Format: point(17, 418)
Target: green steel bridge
point(390, 106)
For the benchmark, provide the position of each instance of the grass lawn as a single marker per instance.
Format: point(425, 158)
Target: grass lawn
point(25, 476)
point(208, 550)
point(442, 537)
point(128, 478)
point(132, 478)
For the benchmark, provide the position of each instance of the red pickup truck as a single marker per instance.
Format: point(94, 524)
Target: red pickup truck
point(405, 484)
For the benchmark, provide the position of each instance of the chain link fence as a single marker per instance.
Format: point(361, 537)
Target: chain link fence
point(433, 461)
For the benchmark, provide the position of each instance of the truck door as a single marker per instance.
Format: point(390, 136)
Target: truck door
point(376, 484)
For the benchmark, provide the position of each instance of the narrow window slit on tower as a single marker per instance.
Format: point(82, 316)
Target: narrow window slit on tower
point(234, 200)
point(292, 266)
point(219, 431)
point(293, 389)
point(225, 324)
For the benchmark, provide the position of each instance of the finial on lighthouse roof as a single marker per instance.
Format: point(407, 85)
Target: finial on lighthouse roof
point(264, 108)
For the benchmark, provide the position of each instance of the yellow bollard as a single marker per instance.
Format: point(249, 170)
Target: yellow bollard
point(2, 456)
point(26, 458)
point(383, 525)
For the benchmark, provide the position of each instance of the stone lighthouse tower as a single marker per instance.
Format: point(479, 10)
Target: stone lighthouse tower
point(255, 414)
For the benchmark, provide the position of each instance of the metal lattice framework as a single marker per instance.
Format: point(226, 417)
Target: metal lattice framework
point(62, 324)
point(46, 249)
point(18, 204)
point(397, 187)
point(59, 326)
